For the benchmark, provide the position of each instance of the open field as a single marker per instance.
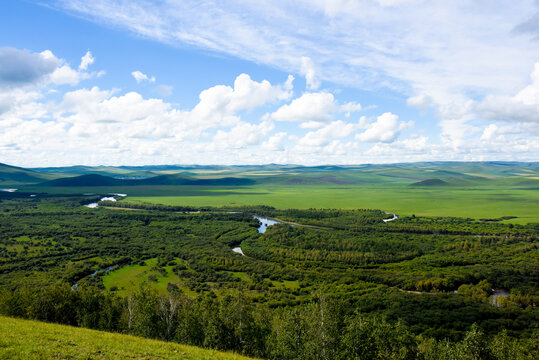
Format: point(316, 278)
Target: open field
point(24, 339)
point(442, 201)
point(129, 278)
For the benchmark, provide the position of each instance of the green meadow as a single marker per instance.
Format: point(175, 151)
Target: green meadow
point(129, 278)
point(493, 202)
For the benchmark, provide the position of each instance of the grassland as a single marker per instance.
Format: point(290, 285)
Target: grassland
point(24, 339)
point(129, 278)
point(488, 202)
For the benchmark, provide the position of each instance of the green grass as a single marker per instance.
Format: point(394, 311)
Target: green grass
point(24, 339)
point(288, 284)
point(488, 202)
point(130, 277)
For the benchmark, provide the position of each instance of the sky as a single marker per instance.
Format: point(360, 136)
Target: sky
point(139, 82)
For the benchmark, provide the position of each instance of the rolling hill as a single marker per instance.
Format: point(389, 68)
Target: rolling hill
point(13, 175)
point(430, 182)
point(457, 174)
point(101, 180)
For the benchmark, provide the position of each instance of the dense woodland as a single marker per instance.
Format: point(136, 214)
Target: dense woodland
point(328, 284)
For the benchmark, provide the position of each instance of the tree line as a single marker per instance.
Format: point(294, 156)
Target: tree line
point(318, 330)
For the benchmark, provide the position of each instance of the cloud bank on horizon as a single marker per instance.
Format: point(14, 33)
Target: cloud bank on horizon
point(468, 70)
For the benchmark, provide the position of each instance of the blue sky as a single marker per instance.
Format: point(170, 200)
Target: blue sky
point(239, 82)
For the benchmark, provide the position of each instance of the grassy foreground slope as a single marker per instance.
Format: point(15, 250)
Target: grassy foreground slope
point(25, 339)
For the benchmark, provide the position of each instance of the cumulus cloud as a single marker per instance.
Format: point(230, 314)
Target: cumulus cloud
point(308, 107)
point(220, 104)
point(86, 61)
point(499, 132)
point(275, 142)
point(140, 77)
point(313, 109)
point(65, 75)
point(22, 67)
point(105, 125)
point(386, 128)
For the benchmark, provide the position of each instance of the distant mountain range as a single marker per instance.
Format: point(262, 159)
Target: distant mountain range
point(100, 180)
point(518, 174)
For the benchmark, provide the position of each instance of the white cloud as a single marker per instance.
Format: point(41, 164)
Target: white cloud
point(22, 67)
point(95, 126)
point(65, 75)
point(350, 107)
point(311, 124)
point(494, 132)
point(489, 132)
point(309, 107)
point(275, 142)
point(421, 102)
point(386, 129)
point(323, 136)
point(308, 70)
point(220, 104)
point(140, 77)
point(86, 61)
point(242, 135)
point(523, 107)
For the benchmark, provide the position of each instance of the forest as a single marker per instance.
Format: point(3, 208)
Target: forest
point(321, 284)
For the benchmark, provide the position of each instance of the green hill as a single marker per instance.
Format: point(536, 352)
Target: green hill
point(13, 175)
point(430, 182)
point(176, 179)
point(85, 180)
point(24, 339)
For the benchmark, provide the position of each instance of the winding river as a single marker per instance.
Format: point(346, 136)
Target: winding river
point(264, 223)
point(106, 198)
point(395, 217)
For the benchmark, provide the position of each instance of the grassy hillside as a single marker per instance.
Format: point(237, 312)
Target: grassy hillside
point(24, 339)
point(12, 175)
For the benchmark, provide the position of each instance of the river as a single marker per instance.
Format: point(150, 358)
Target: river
point(110, 268)
point(106, 198)
point(395, 217)
point(264, 223)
